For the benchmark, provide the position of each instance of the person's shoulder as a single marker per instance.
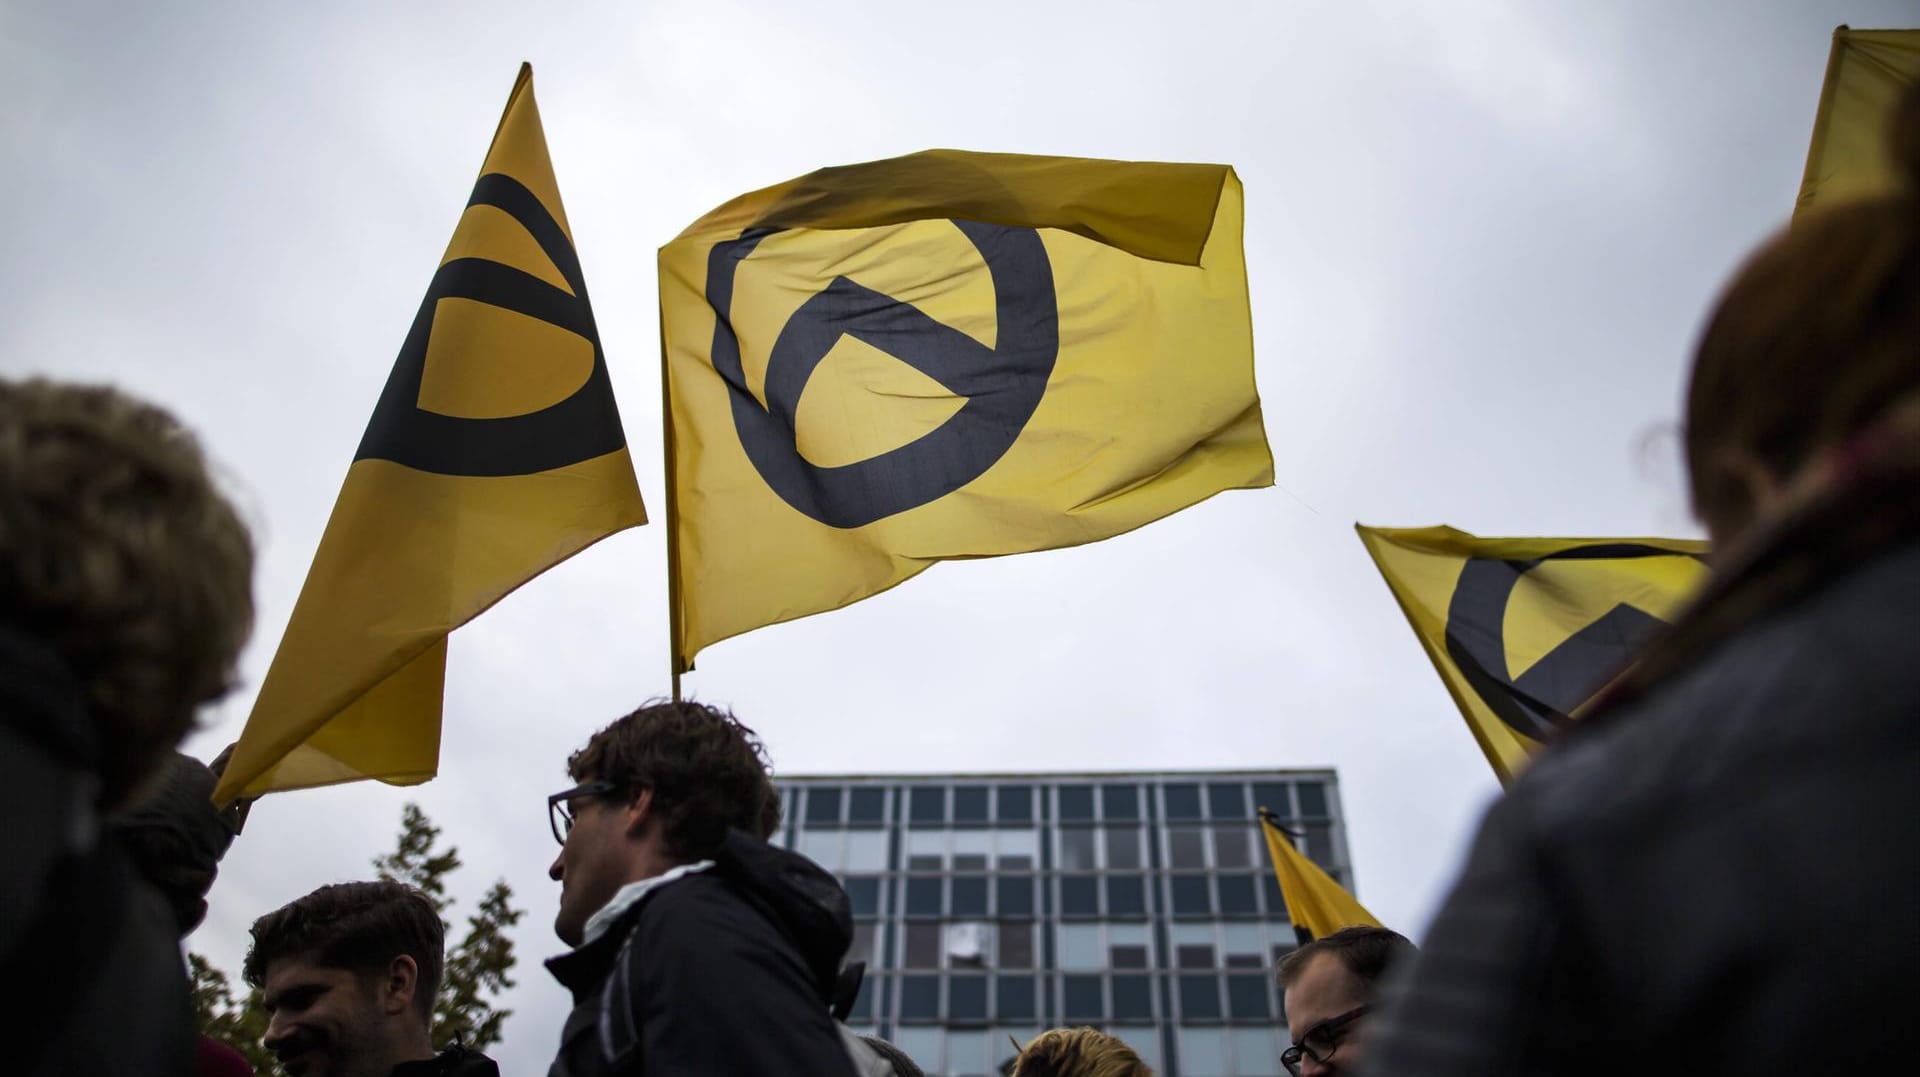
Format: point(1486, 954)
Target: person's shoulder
point(685, 911)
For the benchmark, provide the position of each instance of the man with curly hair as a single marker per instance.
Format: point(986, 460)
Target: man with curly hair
point(698, 947)
point(125, 596)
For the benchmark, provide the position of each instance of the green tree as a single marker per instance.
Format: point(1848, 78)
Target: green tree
point(478, 966)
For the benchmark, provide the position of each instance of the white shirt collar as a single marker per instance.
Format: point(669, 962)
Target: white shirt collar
point(627, 896)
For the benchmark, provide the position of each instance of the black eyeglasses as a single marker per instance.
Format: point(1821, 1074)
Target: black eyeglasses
point(560, 805)
point(1320, 1042)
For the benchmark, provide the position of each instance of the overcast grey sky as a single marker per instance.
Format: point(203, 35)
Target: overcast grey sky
point(1480, 238)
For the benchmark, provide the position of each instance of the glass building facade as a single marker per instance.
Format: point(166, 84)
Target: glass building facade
point(989, 907)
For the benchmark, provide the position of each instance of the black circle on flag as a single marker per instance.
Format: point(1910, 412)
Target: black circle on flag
point(1545, 696)
point(1002, 384)
point(584, 425)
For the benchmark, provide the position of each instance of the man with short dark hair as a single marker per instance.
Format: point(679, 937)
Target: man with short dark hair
point(698, 947)
point(1328, 987)
point(347, 976)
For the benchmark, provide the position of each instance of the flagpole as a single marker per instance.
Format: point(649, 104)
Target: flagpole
point(673, 514)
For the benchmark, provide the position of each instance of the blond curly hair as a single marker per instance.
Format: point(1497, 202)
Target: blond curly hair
point(1078, 1052)
point(118, 552)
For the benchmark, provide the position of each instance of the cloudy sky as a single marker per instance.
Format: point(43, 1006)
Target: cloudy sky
point(1480, 237)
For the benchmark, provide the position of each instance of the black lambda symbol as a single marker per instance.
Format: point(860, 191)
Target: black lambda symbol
point(1542, 698)
point(1002, 384)
point(581, 427)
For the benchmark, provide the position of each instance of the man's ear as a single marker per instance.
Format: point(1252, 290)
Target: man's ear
point(640, 813)
point(398, 985)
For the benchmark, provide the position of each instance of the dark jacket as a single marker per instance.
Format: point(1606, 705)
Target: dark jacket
point(90, 951)
point(457, 1060)
point(725, 971)
point(1719, 876)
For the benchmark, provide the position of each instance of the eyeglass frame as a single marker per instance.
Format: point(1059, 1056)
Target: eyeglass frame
point(559, 805)
point(1290, 1058)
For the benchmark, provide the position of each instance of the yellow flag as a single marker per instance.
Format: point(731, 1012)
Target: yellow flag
point(494, 453)
point(1525, 630)
point(1317, 905)
point(1867, 72)
point(880, 366)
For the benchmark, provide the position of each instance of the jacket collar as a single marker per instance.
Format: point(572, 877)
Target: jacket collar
point(586, 965)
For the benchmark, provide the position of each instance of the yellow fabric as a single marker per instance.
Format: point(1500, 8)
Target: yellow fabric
point(1867, 72)
point(410, 554)
point(1563, 607)
point(1314, 901)
point(1149, 405)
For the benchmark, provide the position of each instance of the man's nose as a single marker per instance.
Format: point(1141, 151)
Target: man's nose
point(279, 1031)
point(554, 871)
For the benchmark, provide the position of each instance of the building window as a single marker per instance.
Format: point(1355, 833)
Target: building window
point(866, 804)
point(1145, 1043)
point(1015, 803)
point(866, 850)
point(1014, 998)
point(1319, 843)
point(1076, 803)
point(1313, 799)
point(1203, 1052)
point(923, 897)
point(822, 847)
point(1190, 896)
point(1133, 998)
point(1255, 1054)
point(970, 895)
point(1183, 801)
point(1243, 946)
point(1075, 848)
point(967, 998)
point(967, 1053)
point(863, 1003)
point(1080, 998)
point(1019, 849)
point(968, 944)
point(1123, 847)
point(1236, 895)
point(1120, 802)
point(1199, 997)
point(971, 848)
point(1187, 847)
point(1126, 895)
point(1016, 895)
point(862, 947)
point(1016, 946)
point(1227, 801)
point(928, 805)
point(864, 895)
point(1270, 890)
point(823, 804)
point(1273, 797)
point(922, 1045)
point(1127, 946)
point(969, 803)
point(919, 998)
point(1230, 847)
point(922, 946)
point(1079, 947)
point(1079, 895)
point(1247, 997)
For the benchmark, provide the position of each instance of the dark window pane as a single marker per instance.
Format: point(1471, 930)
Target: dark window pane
point(926, 862)
point(1014, 998)
point(923, 946)
point(970, 861)
point(1270, 889)
point(1132, 997)
point(1120, 802)
point(1195, 955)
point(863, 1002)
point(862, 948)
point(1015, 803)
point(969, 803)
point(823, 804)
point(1230, 847)
point(1081, 998)
point(1016, 895)
point(923, 897)
point(1076, 803)
point(1236, 894)
point(919, 997)
point(1123, 847)
point(1227, 801)
point(1078, 896)
point(970, 895)
point(1187, 847)
point(1016, 946)
point(1128, 957)
point(1319, 845)
point(867, 805)
point(1313, 799)
point(1183, 801)
point(1200, 997)
point(1076, 849)
point(1126, 895)
point(928, 806)
point(1244, 961)
point(1273, 797)
point(1189, 895)
point(1247, 997)
point(864, 895)
point(967, 998)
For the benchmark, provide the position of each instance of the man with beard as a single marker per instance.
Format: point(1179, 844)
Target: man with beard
point(347, 975)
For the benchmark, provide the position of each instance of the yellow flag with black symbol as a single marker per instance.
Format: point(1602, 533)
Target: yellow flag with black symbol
point(1868, 71)
point(880, 366)
point(1524, 631)
point(494, 453)
point(1316, 904)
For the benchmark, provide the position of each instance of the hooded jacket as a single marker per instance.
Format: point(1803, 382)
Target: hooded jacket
point(723, 971)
